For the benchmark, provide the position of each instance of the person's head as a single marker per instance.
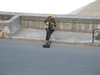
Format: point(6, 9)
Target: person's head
point(50, 16)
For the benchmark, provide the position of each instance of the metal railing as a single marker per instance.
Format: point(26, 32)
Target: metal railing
point(93, 35)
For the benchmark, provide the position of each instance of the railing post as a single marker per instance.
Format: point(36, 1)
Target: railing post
point(93, 36)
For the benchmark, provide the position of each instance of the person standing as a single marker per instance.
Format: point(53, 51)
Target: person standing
point(50, 26)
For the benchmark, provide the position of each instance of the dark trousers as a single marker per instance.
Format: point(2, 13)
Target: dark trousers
point(48, 34)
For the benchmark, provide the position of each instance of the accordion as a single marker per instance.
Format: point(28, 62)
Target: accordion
point(51, 26)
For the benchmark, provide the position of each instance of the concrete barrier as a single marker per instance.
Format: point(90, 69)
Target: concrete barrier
point(4, 17)
point(71, 23)
point(12, 22)
point(76, 24)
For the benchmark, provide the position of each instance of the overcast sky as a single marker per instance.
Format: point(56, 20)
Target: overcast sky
point(42, 6)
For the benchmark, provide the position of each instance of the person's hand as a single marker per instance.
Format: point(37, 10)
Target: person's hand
point(46, 24)
point(54, 27)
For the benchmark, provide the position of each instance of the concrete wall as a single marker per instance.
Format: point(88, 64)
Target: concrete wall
point(13, 24)
point(64, 22)
point(5, 17)
point(93, 9)
point(76, 24)
point(2, 25)
point(32, 22)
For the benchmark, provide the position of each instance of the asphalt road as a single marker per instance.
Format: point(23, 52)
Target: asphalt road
point(30, 58)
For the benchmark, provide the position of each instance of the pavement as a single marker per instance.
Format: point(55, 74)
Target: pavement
point(30, 58)
point(59, 36)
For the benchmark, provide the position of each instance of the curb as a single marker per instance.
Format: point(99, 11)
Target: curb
point(57, 41)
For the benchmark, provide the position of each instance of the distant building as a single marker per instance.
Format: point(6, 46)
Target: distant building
point(92, 9)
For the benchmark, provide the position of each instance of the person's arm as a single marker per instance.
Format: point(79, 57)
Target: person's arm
point(55, 24)
point(46, 22)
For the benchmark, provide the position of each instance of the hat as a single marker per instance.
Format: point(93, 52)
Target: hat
point(50, 14)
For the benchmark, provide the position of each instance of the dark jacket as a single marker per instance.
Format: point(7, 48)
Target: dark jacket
point(50, 20)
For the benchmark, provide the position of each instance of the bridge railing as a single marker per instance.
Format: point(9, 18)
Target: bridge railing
point(93, 35)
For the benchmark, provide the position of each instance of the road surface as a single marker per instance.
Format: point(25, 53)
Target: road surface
point(30, 58)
